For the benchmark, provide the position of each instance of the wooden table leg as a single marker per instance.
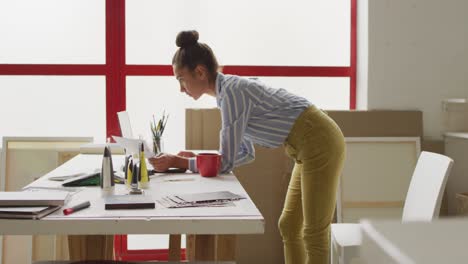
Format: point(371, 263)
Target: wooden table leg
point(190, 247)
point(226, 247)
point(91, 247)
point(174, 248)
point(211, 247)
point(205, 247)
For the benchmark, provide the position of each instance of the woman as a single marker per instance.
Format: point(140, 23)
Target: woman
point(253, 113)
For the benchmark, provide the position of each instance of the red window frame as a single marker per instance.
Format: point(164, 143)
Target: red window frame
point(116, 70)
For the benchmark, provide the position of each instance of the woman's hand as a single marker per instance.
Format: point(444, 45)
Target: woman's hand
point(162, 162)
point(166, 161)
point(186, 154)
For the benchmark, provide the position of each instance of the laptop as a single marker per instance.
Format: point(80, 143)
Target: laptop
point(96, 148)
point(127, 140)
point(124, 123)
point(131, 145)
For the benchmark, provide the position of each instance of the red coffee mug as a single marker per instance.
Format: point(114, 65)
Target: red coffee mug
point(208, 164)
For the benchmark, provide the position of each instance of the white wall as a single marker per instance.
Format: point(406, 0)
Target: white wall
point(418, 55)
point(362, 54)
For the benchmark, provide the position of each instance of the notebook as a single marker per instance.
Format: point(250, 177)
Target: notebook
point(39, 198)
point(129, 202)
point(27, 212)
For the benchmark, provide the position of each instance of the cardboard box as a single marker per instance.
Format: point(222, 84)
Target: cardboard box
point(462, 203)
point(267, 178)
point(202, 128)
point(455, 115)
point(379, 123)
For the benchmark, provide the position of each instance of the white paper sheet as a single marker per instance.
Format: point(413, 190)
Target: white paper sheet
point(131, 145)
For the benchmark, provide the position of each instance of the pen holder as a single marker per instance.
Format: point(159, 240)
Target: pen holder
point(157, 145)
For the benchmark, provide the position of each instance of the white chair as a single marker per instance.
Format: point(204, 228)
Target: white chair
point(422, 203)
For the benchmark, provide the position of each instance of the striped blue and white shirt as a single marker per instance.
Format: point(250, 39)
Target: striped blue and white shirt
point(251, 113)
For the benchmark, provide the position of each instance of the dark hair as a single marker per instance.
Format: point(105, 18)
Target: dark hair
point(191, 53)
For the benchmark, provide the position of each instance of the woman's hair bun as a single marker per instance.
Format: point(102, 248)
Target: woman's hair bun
point(187, 38)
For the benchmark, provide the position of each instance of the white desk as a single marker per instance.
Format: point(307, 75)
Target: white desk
point(456, 147)
point(243, 218)
point(441, 241)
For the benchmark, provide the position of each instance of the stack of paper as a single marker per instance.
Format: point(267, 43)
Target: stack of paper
point(223, 198)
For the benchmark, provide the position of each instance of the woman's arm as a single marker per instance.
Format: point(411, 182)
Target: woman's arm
point(246, 154)
point(236, 150)
point(166, 161)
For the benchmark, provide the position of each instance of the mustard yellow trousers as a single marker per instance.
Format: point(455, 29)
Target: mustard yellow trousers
point(318, 148)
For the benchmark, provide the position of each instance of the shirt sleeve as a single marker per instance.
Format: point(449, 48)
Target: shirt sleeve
point(235, 149)
point(192, 166)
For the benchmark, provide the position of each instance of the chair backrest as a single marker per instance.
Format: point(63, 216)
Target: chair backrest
point(426, 188)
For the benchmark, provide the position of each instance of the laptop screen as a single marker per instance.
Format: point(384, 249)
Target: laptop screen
point(125, 126)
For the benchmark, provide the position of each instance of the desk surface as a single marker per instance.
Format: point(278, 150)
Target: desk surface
point(243, 218)
point(440, 241)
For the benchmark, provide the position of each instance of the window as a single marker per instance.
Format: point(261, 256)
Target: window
point(308, 53)
point(126, 42)
point(67, 67)
point(148, 95)
point(52, 32)
point(53, 106)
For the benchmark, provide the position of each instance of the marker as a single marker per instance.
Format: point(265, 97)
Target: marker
point(76, 208)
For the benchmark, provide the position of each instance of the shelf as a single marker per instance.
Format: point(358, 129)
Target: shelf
point(462, 135)
point(455, 105)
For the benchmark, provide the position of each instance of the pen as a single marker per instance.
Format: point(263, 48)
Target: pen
point(176, 180)
point(76, 208)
